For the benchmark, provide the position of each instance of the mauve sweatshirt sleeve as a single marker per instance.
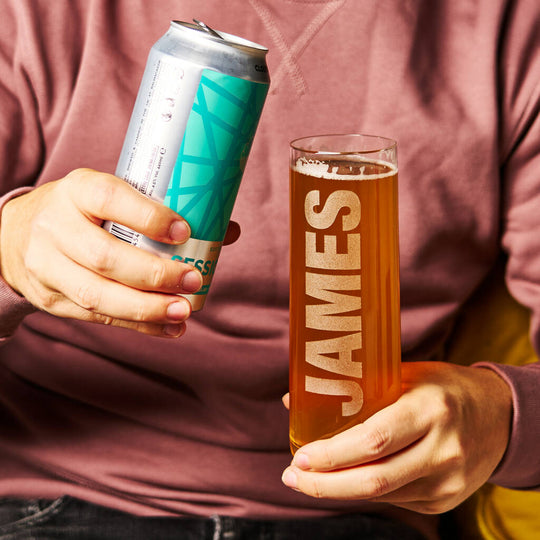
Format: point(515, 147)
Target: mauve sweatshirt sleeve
point(13, 307)
point(21, 146)
point(519, 85)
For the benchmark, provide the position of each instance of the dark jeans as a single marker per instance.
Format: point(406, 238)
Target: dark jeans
point(69, 518)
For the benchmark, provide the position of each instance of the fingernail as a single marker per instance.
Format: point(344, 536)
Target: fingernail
point(179, 231)
point(178, 311)
point(290, 479)
point(301, 460)
point(191, 281)
point(173, 330)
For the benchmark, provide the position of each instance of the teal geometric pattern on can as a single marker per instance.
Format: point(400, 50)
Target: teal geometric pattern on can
point(214, 151)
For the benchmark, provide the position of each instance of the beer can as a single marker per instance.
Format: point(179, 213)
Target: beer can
point(190, 134)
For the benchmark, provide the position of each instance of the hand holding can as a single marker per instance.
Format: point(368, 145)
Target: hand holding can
point(189, 137)
point(345, 347)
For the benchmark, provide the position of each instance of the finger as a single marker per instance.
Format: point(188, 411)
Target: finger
point(286, 399)
point(232, 234)
point(65, 308)
point(100, 295)
point(363, 482)
point(386, 432)
point(106, 197)
point(104, 254)
point(171, 330)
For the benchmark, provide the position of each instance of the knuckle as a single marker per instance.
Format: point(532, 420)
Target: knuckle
point(377, 485)
point(85, 178)
point(453, 404)
point(77, 179)
point(96, 191)
point(443, 408)
point(456, 456)
point(78, 174)
point(102, 257)
point(377, 441)
point(146, 328)
point(151, 216)
point(157, 274)
point(445, 414)
point(328, 460)
point(441, 505)
point(453, 454)
point(88, 297)
point(141, 313)
point(433, 507)
point(47, 299)
point(41, 224)
point(103, 195)
point(101, 319)
point(32, 263)
point(150, 329)
point(452, 488)
point(317, 488)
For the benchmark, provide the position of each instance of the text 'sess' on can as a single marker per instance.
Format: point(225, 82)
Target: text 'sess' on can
point(190, 134)
point(345, 344)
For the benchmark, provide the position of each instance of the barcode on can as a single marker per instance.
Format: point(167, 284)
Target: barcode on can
point(125, 234)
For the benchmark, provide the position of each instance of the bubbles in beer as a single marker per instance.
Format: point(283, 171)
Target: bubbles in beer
point(344, 168)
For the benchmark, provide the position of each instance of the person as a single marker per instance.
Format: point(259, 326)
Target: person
point(112, 427)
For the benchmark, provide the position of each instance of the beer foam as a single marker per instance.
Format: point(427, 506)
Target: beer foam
point(327, 170)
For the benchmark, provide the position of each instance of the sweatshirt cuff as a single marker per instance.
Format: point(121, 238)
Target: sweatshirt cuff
point(13, 307)
point(520, 465)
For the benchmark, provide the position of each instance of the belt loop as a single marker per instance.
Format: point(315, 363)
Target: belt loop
point(217, 527)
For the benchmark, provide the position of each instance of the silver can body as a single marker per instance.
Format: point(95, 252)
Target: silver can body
point(189, 137)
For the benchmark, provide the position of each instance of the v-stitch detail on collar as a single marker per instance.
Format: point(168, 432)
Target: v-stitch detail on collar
point(290, 53)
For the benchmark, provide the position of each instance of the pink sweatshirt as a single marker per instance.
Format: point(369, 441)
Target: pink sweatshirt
point(196, 426)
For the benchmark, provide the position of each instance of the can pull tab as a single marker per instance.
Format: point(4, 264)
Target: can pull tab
point(206, 28)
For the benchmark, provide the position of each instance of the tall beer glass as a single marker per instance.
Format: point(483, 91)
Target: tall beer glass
point(345, 347)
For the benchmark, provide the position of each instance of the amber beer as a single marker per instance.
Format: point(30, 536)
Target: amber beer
point(345, 348)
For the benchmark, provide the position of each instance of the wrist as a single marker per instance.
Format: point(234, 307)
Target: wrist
point(5, 257)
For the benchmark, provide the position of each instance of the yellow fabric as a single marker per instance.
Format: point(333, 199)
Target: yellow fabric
point(494, 327)
point(503, 514)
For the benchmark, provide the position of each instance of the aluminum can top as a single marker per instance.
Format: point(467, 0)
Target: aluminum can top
point(216, 50)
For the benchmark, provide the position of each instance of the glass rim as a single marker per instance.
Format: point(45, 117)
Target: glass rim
point(386, 144)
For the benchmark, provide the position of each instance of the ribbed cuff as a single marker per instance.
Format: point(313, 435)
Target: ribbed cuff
point(520, 466)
